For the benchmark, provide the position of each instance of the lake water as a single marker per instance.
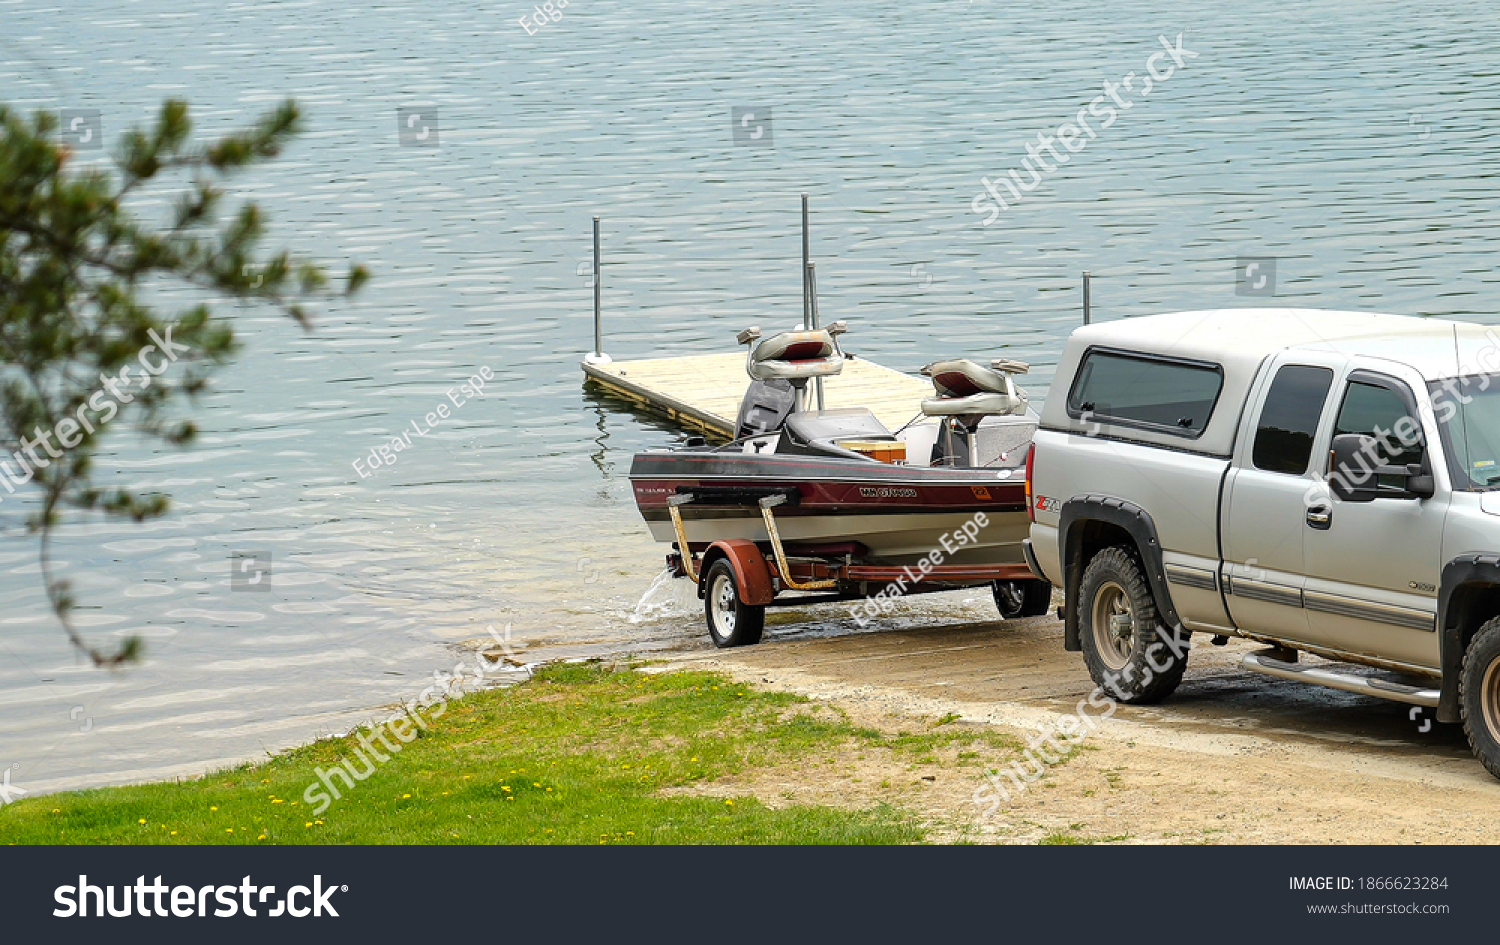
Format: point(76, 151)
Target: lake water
point(1356, 146)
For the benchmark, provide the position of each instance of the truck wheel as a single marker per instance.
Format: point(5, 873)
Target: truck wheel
point(1479, 695)
point(731, 622)
point(1129, 654)
point(1021, 598)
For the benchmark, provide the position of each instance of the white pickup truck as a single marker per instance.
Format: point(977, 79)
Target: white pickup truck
point(1325, 482)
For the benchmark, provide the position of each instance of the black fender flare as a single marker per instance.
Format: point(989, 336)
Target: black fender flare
point(1466, 571)
point(1082, 509)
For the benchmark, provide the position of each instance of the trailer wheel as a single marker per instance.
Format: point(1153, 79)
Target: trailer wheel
point(1479, 695)
point(731, 622)
point(1021, 598)
point(1130, 655)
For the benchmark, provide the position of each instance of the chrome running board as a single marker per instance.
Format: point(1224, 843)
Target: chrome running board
point(1348, 682)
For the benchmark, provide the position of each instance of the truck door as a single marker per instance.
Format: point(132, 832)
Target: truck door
point(1373, 567)
point(1265, 507)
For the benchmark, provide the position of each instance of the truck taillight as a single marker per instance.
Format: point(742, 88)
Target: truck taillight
point(1030, 457)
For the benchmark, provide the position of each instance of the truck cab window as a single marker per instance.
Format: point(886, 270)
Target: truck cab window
point(1284, 436)
point(1373, 410)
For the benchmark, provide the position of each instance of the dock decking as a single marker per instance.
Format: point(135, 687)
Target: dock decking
point(703, 392)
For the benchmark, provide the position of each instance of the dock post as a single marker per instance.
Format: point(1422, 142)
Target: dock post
point(1085, 297)
point(812, 299)
point(807, 323)
point(598, 356)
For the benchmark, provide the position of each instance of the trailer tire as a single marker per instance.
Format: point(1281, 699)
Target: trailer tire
point(1015, 599)
point(1129, 654)
point(731, 621)
point(1479, 695)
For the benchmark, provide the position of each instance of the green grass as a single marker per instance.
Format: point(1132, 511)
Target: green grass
point(579, 754)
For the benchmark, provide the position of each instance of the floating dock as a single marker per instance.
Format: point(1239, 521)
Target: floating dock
point(703, 392)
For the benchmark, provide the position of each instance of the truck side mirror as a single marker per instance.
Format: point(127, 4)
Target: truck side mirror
point(1423, 487)
point(1351, 475)
point(1353, 472)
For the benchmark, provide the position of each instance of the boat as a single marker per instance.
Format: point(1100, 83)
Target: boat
point(833, 505)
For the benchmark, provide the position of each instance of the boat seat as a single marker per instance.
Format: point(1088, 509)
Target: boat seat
point(970, 391)
point(793, 355)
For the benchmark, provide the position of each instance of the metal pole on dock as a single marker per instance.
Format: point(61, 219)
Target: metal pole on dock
point(806, 290)
point(598, 357)
point(812, 297)
point(1085, 297)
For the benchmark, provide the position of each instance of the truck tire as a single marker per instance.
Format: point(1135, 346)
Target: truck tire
point(1479, 695)
point(731, 621)
point(1021, 598)
point(1130, 655)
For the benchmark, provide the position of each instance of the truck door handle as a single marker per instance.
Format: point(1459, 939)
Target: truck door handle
point(1320, 517)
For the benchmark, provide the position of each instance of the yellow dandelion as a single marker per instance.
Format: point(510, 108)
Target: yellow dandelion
point(630, 833)
point(318, 822)
point(213, 808)
point(549, 790)
point(510, 798)
point(229, 830)
point(57, 810)
point(265, 780)
point(141, 821)
point(308, 824)
point(405, 796)
point(174, 833)
point(695, 759)
point(730, 803)
point(261, 837)
point(278, 801)
point(534, 784)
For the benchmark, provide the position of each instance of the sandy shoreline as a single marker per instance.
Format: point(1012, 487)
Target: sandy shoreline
point(1232, 758)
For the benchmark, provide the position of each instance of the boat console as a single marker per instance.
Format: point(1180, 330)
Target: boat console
point(833, 433)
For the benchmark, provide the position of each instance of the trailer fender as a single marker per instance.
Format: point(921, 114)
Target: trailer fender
point(750, 570)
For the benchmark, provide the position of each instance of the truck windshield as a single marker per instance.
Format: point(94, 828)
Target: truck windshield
point(1468, 414)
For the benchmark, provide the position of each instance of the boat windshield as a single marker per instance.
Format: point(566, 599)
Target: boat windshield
point(1468, 411)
